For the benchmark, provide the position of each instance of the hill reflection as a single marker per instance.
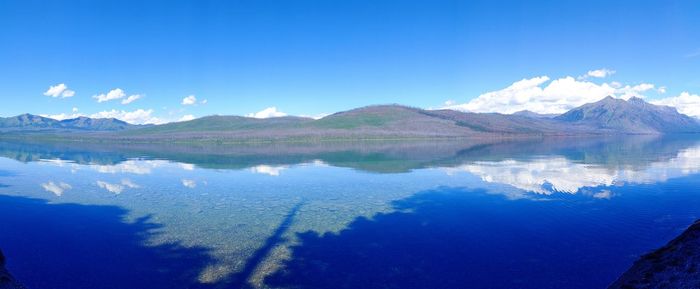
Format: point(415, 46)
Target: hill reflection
point(632, 152)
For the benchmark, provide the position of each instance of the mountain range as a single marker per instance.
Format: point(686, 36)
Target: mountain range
point(605, 117)
point(631, 116)
point(29, 122)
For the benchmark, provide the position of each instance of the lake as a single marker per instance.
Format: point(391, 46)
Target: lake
point(539, 213)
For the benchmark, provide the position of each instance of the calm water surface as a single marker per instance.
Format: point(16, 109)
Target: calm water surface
point(563, 213)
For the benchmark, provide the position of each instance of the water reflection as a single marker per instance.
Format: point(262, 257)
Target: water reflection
point(56, 188)
point(548, 175)
point(116, 188)
point(379, 157)
point(132, 166)
point(189, 183)
point(90, 246)
point(242, 203)
point(268, 170)
point(449, 237)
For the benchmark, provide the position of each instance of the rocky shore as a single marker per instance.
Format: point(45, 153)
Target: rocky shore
point(6, 280)
point(675, 265)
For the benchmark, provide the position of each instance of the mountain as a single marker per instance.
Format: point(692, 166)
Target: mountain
point(631, 116)
point(377, 121)
point(608, 116)
point(392, 120)
point(381, 121)
point(512, 125)
point(28, 122)
point(221, 123)
point(99, 124)
point(35, 123)
point(532, 114)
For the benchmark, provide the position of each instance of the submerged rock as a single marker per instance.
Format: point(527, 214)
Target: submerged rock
point(675, 265)
point(6, 280)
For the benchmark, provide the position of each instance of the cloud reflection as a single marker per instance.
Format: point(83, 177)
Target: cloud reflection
point(604, 194)
point(189, 183)
point(558, 174)
point(268, 170)
point(187, 167)
point(112, 188)
point(56, 188)
point(57, 162)
point(139, 167)
point(117, 188)
point(128, 183)
point(542, 176)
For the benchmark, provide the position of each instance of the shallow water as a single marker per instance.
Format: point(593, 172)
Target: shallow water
point(554, 213)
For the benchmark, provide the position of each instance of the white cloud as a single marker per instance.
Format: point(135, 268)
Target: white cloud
point(541, 95)
point(558, 96)
point(62, 116)
point(629, 91)
point(68, 93)
point(112, 188)
point(204, 101)
point(267, 113)
point(116, 93)
point(600, 73)
point(187, 117)
point(189, 100)
point(59, 90)
point(75, 109)
point(189, 183)
point(661, 90)
point(56, 189)
point(642, 87)
point(685, 103)
point(139, 116)
point(318, 116)
point(131, 98)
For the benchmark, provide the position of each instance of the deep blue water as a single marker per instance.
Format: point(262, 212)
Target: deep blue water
point(560, 213)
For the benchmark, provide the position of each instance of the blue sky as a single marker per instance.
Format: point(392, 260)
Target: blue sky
point(314, 57)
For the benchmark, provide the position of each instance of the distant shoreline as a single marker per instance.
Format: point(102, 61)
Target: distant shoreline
point(100, 137)
point(607, 117)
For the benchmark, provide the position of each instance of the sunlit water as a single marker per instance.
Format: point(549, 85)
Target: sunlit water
point(531, 214)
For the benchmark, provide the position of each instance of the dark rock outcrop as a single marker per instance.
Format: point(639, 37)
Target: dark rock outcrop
point(6, 280)
point(676, 265)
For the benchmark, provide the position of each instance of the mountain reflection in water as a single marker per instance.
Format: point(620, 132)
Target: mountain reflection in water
point(526, 214)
